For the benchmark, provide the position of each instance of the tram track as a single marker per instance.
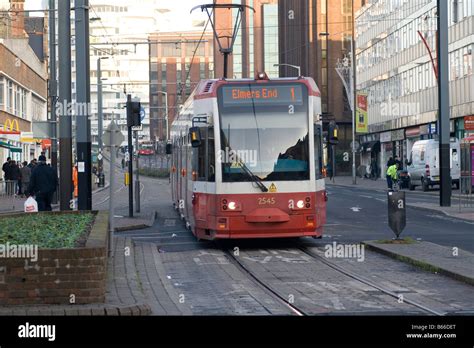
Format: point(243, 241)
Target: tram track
point(267, 288)
point(358, 278)
point(274, 293)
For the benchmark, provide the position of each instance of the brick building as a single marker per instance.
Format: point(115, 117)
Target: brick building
point(174, 73)
point(23, 92)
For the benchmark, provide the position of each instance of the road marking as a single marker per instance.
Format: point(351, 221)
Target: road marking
point(370, 197)
point(381, 200)
point(356, 209)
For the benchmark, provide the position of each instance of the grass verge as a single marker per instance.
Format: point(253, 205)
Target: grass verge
point(47, 231)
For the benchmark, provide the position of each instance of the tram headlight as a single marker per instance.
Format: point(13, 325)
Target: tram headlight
point(229, 205)
point(300, 204)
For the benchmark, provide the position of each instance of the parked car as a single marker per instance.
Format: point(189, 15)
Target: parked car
point(423, 166)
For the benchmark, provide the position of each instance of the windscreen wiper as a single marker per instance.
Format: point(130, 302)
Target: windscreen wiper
point(252, 176)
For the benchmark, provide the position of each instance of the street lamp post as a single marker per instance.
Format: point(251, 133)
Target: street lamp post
point(291, 66)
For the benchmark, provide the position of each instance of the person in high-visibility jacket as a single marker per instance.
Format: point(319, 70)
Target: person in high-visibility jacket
point(75, 180)
point(392, 175)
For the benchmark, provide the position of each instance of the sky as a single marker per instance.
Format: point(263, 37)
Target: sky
point(179, 11)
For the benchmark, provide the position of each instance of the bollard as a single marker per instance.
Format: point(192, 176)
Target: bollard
point(397, 217)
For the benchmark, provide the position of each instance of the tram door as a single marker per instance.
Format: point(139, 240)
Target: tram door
point(179, 176)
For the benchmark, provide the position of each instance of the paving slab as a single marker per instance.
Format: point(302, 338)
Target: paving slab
point(454, 263)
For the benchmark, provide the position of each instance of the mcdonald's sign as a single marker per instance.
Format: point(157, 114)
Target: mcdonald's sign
point(11, 127)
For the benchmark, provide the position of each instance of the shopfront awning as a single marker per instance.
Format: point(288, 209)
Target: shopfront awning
point(10, 147)
point(371, 146)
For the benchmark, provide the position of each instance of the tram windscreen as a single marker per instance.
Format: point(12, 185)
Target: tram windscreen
point(265, 127)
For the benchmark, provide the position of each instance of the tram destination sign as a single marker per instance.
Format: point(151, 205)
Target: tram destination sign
point(268, 94)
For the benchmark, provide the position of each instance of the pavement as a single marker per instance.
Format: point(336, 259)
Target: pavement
point(457, 264)
point(462, 206)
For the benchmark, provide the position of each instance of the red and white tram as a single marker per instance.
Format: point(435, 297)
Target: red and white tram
point(247, 159)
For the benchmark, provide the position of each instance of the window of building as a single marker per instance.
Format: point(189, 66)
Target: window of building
point(24, 95)
point(10, 96)
point(171, 49)
point(195, 49)
point(346, 7)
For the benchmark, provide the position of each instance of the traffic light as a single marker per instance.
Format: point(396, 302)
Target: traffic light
point(332, 133)
point(133, 114)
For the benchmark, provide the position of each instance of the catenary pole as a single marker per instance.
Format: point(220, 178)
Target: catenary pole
point(83, 127)
point(65, 122)
point(443, 107)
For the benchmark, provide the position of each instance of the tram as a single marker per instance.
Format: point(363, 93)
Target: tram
point(247, 159)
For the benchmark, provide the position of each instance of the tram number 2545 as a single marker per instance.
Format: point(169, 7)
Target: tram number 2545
point(266, 201)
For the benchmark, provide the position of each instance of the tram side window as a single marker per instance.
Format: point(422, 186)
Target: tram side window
point(318, 151)
point(205, 164)
point(211, 157)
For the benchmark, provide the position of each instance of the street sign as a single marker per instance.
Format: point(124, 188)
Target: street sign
point(137, 128)
point(118, 136)
point(142, 113)
point(100, 157)
point(397, 217)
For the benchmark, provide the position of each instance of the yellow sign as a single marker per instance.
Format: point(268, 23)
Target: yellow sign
point(127, 179)
point(362, 113)
point(10, 125)
point(27, 137)
point(235, 165)
point(272, 188)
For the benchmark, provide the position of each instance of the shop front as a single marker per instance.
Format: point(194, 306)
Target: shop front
point(386, 150)
point(370, 153)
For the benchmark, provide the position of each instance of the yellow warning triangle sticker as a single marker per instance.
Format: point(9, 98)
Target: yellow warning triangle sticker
point(272, 188)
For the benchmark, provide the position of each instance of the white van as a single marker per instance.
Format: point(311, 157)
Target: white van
point(423, 166)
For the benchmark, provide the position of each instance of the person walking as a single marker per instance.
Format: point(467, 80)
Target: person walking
point(43, 184)
point(6, 169)
point(392, 172)
point(25, 178)
point(15, 177)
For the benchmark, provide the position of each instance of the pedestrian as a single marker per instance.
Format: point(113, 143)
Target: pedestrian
point(392, 175)
point(15, 177)
point(43, 184)
point(25, 178)
point(390, 162)
point(123, 163)
point(33, 164)
point(6, 169)
point(397, 161)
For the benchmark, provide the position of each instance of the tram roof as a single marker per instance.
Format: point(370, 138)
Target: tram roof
point(208, 88)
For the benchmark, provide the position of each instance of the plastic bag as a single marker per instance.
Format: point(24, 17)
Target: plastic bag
point(31, 206)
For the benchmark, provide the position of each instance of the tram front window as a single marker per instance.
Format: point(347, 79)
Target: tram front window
point(269, 135)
